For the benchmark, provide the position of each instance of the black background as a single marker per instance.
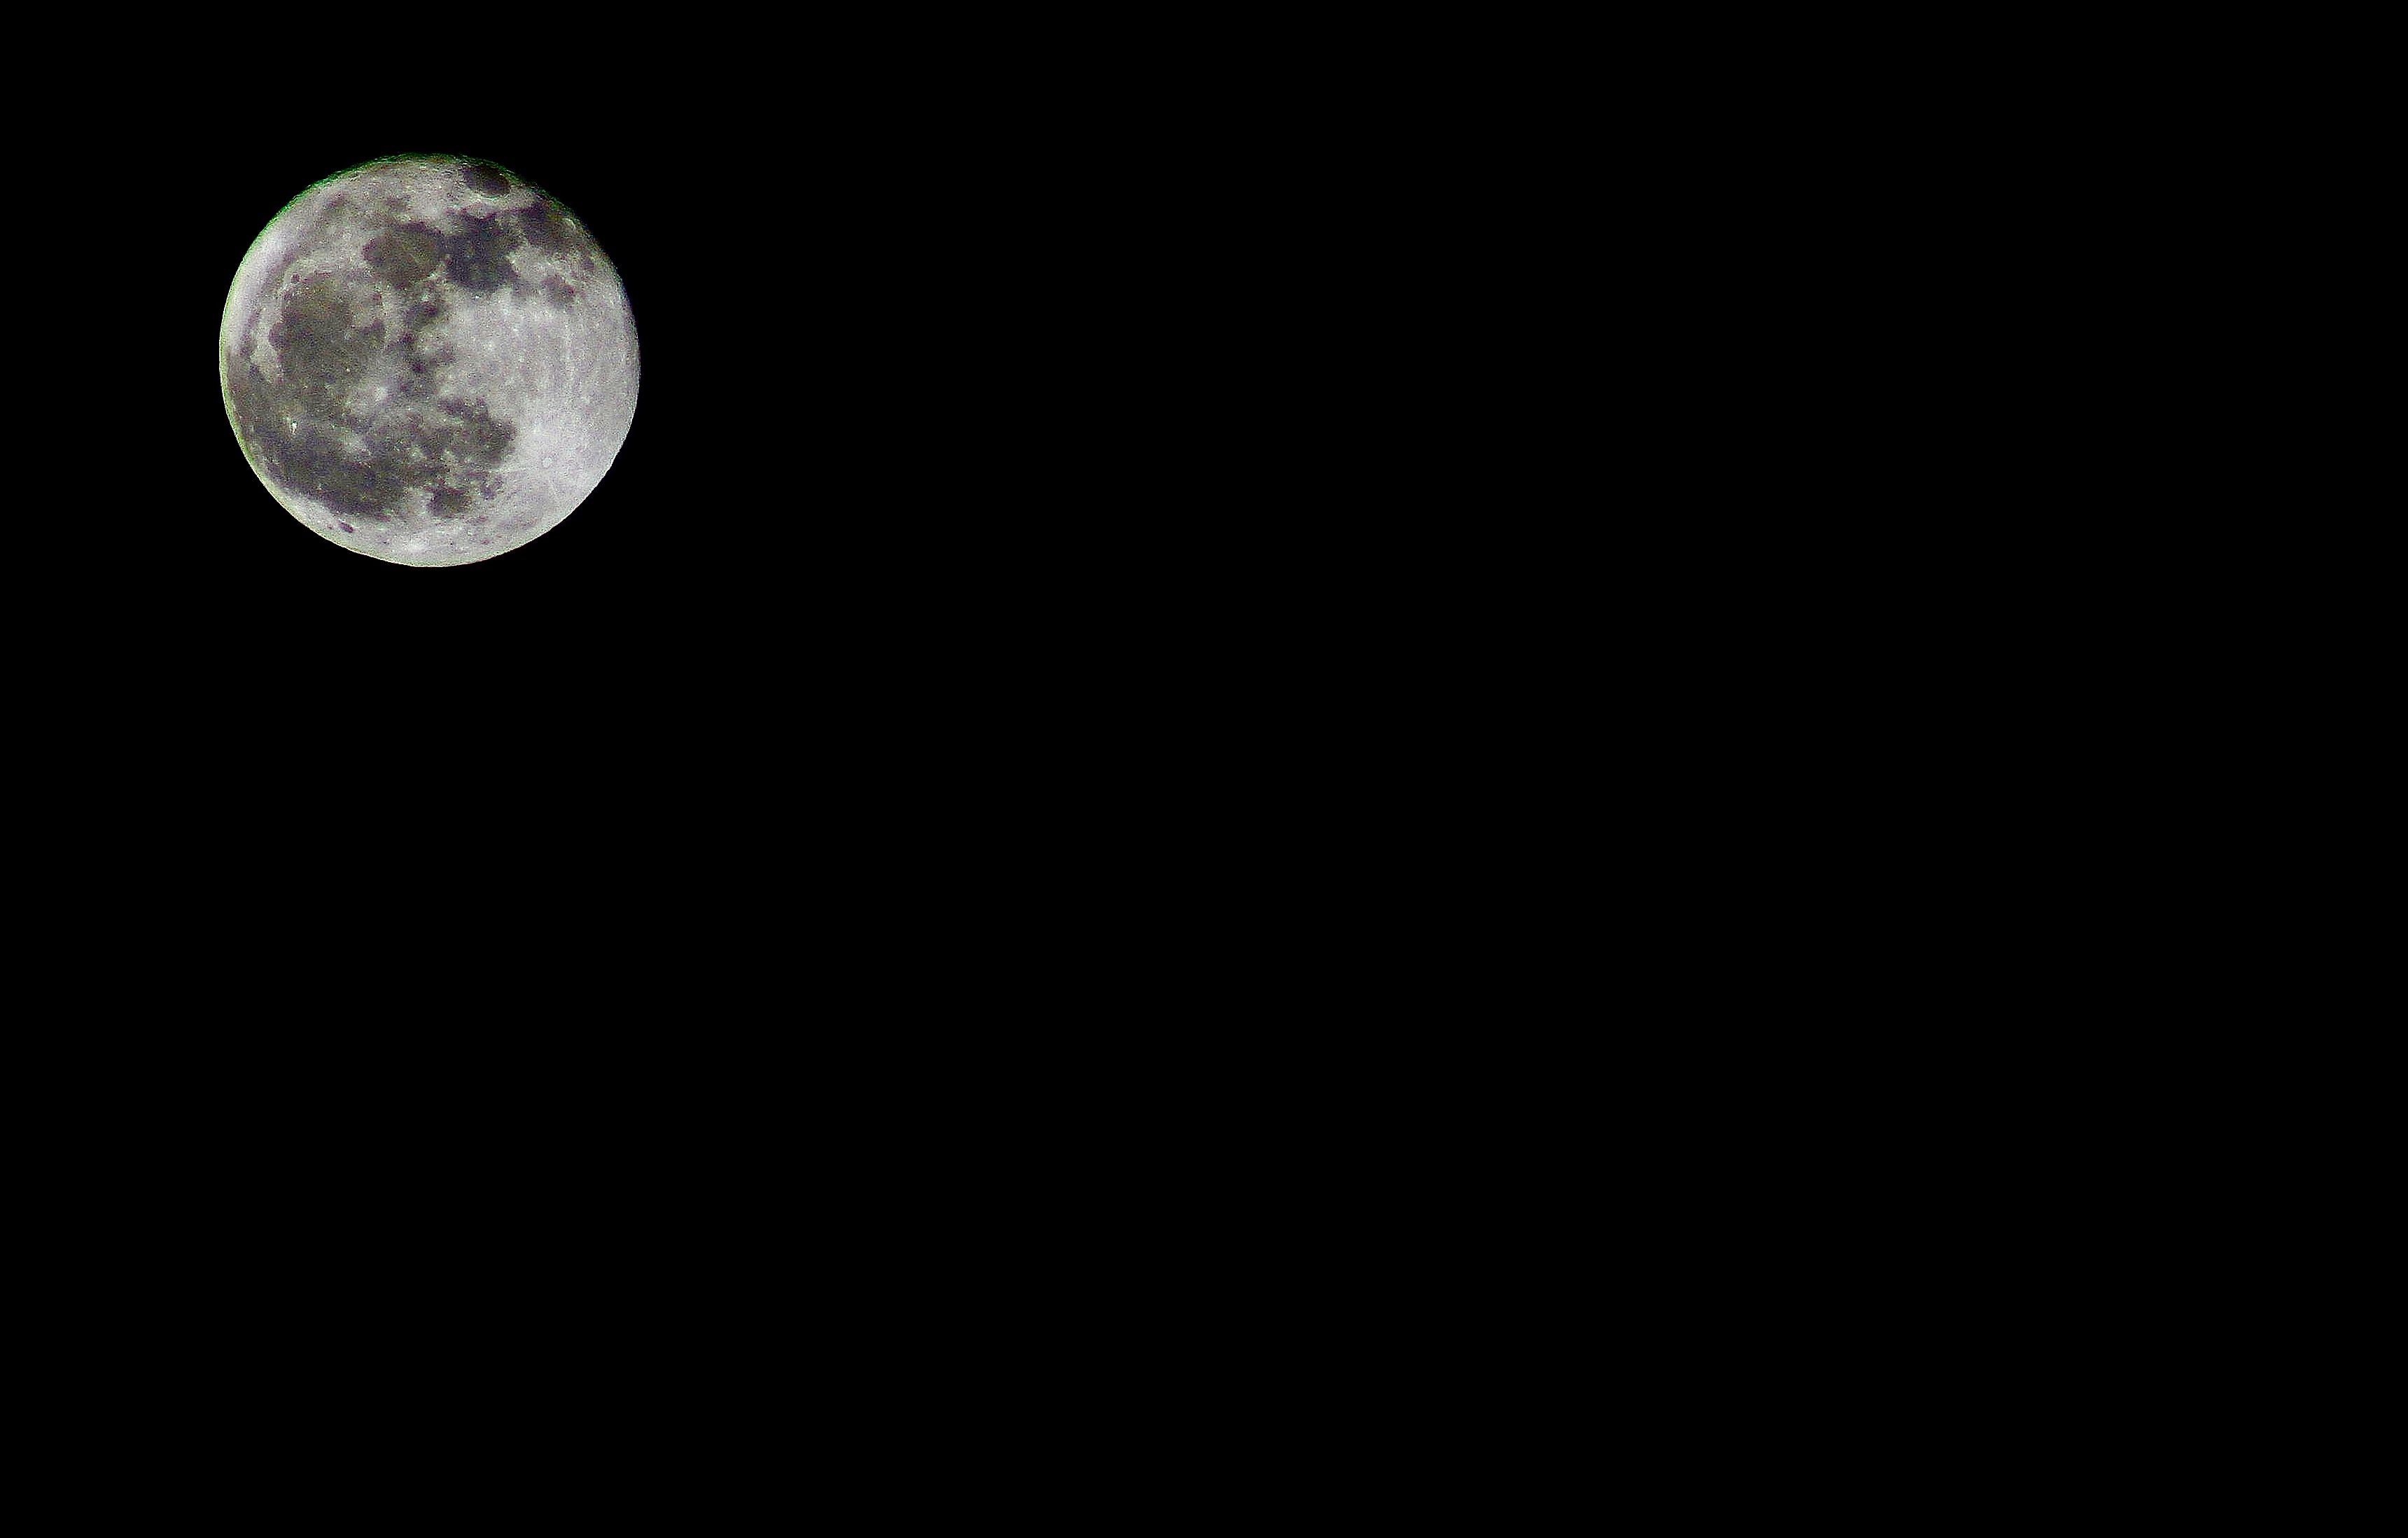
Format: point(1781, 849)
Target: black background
point(884, 407)
point(876, 760)
point(918, 588)
point(906, 405)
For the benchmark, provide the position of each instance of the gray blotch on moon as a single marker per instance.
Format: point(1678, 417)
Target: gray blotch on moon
point(428, 360)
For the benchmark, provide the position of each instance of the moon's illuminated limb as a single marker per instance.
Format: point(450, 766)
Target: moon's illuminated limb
point(427, 360)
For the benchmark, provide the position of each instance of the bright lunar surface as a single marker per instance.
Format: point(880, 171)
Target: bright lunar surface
point(427, 360)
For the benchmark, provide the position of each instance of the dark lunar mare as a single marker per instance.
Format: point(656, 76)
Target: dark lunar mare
point(478, 258)
point(404, 254)
point(542, 225)
point(327, 345)
point(332, 331)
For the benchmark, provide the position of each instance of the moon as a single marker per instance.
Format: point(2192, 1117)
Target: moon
point(428, 360)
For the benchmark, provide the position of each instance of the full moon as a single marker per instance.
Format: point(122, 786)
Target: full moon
point(427, 360)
